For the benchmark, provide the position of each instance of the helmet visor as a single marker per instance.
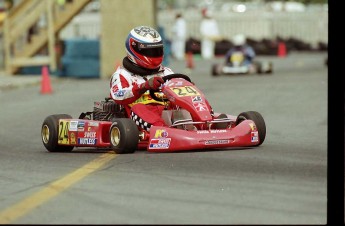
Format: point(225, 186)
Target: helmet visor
point(149, 49)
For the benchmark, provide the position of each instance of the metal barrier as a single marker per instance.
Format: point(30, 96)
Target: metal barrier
point(310, 27)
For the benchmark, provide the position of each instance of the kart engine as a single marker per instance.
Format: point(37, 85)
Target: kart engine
point(105, 110)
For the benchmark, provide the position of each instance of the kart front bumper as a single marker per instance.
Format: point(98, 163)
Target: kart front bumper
point(163, 139)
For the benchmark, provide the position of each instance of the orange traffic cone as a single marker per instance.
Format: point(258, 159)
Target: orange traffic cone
point(190, 61)
point(45, 82)
point(281, 49)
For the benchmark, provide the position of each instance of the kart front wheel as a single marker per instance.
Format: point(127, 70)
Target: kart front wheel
point(124, 136)
point(258, 66)
point(214, 70)
point(268, 67)
point(259, 121)
point(50, 132)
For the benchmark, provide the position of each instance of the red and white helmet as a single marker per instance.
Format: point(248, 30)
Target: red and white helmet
point(144, 47)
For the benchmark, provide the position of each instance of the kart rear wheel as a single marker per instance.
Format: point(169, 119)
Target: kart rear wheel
point(259, 121)
point(50, 131)
point(269, 68)
point(124, 136)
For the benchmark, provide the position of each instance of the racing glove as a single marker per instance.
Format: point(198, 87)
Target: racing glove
point(153, 83)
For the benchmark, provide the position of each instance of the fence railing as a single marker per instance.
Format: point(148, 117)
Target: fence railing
point(310, 27)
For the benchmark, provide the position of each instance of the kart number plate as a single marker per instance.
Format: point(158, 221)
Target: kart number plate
point(237, 57)
point(63, 137)
point(185, 91)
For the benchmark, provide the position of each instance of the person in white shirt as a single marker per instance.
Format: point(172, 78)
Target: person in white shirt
point(209, 34)
point(179, 34)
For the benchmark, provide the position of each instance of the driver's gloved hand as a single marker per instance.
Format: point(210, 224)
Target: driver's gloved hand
point(153, 83)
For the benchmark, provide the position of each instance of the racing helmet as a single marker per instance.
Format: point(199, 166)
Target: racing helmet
point(144, 47)
point(239, 40)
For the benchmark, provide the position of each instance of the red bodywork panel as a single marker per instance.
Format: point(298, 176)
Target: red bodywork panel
point(84, 133)
point(89, 133)
point(164, 139)
point(185, 94)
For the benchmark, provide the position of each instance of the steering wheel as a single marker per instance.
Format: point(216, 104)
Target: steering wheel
point(166, 78)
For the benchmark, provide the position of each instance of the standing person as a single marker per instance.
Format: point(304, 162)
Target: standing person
point(209, 34)
point(179, 32)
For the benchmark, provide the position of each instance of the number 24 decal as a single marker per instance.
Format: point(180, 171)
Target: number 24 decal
point(63, 132)
point(185, 91)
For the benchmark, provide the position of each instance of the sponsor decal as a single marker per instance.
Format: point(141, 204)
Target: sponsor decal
point(162, 143)
point(73, 141)
point(145, 99)
point(81, 125)
point(199, 106)
point(211, 131)
point(91, 123)
point(252, 126)
point(218, 131)
point(161, 133)
point(212, 142)
point(114, 89)
point(73, 126)
point(196, 99)
point(89, 141)
point(120, 93)
point(254, 136)
point(90, 134)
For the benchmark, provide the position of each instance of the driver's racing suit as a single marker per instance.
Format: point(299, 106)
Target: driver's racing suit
point(145, 111)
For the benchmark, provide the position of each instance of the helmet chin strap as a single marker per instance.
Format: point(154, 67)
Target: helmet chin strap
point(135, 69)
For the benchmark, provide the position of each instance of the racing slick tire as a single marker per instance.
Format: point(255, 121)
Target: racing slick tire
point(124, 136)
point(259, 121)
point(267, 67)
point(258, 66)
point(50, 132)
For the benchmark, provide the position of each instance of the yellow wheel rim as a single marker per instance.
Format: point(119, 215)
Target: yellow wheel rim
point(45, 134)
point(115, 136)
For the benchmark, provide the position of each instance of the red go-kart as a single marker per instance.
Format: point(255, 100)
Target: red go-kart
point(190, 125)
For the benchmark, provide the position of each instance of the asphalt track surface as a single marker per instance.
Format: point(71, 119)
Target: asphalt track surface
point(283, 181)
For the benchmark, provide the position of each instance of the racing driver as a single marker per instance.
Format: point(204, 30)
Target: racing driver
point(240, 44)
point(141, 71)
